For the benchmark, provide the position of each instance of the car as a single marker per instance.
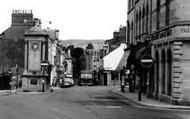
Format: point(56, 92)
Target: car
point(67, 82)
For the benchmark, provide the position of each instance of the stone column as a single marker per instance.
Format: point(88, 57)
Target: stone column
point(177, 70)
point(26, 56)
point(43, 51)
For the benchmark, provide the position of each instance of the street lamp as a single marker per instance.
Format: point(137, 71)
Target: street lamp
point(44, 65)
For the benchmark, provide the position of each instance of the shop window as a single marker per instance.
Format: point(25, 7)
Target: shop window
point(33, 81)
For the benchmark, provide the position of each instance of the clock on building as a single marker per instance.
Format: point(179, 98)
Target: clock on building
point(35, 46)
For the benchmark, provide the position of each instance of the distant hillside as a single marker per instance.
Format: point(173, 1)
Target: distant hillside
point(83, 43)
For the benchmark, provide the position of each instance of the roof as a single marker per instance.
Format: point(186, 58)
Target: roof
point(16, 32)
point(13, 45)
point(116, 59)
point(53, 33)
point(36, 30)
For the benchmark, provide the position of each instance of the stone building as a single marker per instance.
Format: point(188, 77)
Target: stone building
point(52, 51)
point(165, 25)
point(12, 45)
point(118, 38)
point(40, 54)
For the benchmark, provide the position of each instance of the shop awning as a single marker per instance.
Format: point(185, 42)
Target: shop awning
point(116, 59)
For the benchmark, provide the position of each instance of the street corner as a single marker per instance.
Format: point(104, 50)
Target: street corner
point(132, 99)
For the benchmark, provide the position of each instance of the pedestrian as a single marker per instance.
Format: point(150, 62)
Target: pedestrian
point(123, 80)
point(20, 84)
point(123, 84)
point(51, 88)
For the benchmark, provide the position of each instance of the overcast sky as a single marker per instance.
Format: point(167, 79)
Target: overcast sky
point(76, 19)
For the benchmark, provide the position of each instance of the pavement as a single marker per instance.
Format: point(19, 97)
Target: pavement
point(9, 92)
point(145, 101)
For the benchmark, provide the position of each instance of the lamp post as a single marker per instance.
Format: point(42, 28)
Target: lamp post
point(44, 65)
point(146, 61)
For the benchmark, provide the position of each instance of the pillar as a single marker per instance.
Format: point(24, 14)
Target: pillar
point(26, 56)
point(177, 70)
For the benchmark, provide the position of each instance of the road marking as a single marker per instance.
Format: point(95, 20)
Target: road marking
point(113, 107)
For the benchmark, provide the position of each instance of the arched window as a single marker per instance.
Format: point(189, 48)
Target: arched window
point(167, 12)
point(147, 17)
point(132, 3)
point(140, 17)
point(143, 19)
point(157, 71)
point(136, 31)
point(163, 72)
point(158, 13)
point(132, 32)
point(129, 4)
point(129, 36)
point(169, 72)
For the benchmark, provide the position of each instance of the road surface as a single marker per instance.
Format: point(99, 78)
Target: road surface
point(79, 103)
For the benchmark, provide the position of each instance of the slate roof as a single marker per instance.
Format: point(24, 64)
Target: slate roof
point(16, 32)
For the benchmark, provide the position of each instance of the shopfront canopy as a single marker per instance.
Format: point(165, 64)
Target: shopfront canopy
point(116, 59)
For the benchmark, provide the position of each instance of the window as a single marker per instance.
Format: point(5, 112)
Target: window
point(129, 4)
point(167, 11)
point(147, 16)
point(158, 14)
point(163, 72)
point(136, 31)
point(132, 32)
point(140, 22)
point(128, 39)
point(33, 81)
point(169, 76)
point(143, 20)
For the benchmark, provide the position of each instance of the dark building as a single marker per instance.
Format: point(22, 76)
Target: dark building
point(12, 45)
point(118, 38)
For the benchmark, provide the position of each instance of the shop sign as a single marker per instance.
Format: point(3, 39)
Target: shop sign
point(182, 31)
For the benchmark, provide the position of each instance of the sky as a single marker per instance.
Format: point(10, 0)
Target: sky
point(75, 19)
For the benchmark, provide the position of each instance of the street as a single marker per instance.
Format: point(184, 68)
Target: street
point(96, 102)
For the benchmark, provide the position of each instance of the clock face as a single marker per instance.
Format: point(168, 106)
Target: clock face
point(35, 46)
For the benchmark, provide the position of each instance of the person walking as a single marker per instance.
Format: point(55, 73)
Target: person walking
point(20, 85)
point(122, 83)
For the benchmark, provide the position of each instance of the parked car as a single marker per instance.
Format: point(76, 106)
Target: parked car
point(67, 82)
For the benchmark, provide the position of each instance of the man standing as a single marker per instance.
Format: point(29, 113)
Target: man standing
point(123, 76)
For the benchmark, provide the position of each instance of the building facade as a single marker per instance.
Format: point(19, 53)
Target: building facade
point(12, 45)
point(118, 38)
point(165, 24)
point(52, 52)
point(40, 56)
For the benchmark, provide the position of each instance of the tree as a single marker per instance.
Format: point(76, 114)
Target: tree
point(69, 48)
point(77, 52)
point(89, 46)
